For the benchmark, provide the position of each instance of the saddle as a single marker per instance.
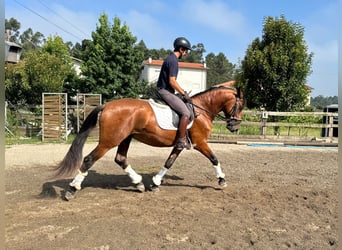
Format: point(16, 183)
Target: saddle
point(166, 117)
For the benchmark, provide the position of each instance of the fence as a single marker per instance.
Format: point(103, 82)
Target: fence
point(255, 124)
point(85, 104)
point(264, 120)
point(54, 116)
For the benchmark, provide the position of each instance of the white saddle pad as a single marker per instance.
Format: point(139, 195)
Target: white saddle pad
point(166, 117)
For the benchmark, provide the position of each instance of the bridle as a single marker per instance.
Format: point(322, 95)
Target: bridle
point(232, 120)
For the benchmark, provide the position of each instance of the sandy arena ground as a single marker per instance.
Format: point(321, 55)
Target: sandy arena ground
point(276, 198)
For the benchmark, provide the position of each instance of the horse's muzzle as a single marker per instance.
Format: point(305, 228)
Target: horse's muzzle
point(233, 124)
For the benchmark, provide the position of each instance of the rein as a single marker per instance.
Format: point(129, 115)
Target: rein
point(232, 112)
point(210, 113)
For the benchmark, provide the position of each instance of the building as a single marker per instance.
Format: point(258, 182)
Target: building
point(12, 52)
point(192, 76)
point(76, 65)
point(308, 98)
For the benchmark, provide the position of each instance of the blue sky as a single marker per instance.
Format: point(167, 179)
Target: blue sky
point(222, 26)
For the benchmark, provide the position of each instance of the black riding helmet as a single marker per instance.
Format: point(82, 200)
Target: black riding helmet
point(181, 42)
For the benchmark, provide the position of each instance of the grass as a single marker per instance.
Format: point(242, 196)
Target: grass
point(218, 129)
point(256, 130)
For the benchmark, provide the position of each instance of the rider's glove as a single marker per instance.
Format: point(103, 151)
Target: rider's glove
point(187, 98)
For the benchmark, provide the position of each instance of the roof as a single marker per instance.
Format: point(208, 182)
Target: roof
point(181, 64)
point(12, 44)
point(308, 88)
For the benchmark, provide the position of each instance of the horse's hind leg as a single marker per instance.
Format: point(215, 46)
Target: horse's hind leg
point(121, 160)
point(88, 162)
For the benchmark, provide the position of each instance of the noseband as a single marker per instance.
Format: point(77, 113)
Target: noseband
point(232, 120)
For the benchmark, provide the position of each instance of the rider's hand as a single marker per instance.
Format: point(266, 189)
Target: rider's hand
point(187, 98)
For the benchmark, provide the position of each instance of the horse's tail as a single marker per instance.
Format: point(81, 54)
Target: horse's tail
point(73, 158)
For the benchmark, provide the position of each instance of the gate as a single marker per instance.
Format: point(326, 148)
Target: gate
point(85, 104)
point(54, 116)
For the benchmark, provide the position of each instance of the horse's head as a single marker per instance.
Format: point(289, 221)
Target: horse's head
point(233, 111)
point(224, 98)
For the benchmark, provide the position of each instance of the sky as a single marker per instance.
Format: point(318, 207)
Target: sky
point(226, 26)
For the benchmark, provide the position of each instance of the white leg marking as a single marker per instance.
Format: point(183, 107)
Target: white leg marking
point(77, 181)
point(218, 171)
point(158, 177)
point(136, 178)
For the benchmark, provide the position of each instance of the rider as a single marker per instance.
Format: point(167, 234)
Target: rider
point(167, 85)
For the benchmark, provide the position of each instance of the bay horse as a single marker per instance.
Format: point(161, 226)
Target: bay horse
point(122, 120)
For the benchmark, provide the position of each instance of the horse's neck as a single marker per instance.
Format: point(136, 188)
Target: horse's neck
point(213, 104)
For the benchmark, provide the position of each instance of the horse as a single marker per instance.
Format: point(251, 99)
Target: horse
point(125, 119)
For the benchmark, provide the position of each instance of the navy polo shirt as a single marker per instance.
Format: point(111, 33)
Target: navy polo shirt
point(169, 68)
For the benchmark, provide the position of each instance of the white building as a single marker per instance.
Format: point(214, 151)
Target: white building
point(76, 64)
point(191, 76)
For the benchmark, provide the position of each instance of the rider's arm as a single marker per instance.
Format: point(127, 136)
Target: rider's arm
point(175, 85)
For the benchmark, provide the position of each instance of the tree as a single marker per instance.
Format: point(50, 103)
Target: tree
point(219, 69)
point(43, 70)
point(112, 61)
point(30, 40)
point(159, 54)
point(15, 88)
point(56, 46)
point(142, 47)
point(274, 70)
point(196, 54)
point(321, 102)
point(75, 50)
point(13, 25)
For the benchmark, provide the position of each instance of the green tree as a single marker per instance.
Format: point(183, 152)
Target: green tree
point(30, 40)
point(321, 102)
point(142, 47)
point(39, 72)
point(56, 46)
point(196, 54)
point(112, 61)
point(219, 69)
point(43, 70)
point(15, 87)
point(275, 68)
point(158, 54)
point(13, 25)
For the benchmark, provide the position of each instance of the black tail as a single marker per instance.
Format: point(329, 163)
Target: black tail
point(73, 158)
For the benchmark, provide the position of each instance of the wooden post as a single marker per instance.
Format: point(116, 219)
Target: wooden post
point(264, 116)
point(331, 129)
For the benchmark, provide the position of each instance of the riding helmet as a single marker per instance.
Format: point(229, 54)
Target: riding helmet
point(181, 42)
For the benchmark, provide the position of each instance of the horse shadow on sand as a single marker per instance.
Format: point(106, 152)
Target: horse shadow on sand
point(110, 181)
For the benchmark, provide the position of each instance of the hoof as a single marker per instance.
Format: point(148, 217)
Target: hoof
point(222, 182)
point(70, 193)
point(154, 188)
point(141, 187)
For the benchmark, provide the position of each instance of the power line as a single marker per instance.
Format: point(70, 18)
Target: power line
point(47, 20)
point(70, 23)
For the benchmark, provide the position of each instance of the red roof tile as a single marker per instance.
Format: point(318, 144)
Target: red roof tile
point(181, 64)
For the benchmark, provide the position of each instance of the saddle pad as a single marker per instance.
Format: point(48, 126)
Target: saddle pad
point(165, 116)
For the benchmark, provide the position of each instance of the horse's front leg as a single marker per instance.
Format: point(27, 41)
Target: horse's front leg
point(206, 151)
point(121, 160)
point(157, 179)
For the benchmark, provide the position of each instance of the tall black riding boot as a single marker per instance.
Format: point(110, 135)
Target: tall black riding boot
point(182, 141)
